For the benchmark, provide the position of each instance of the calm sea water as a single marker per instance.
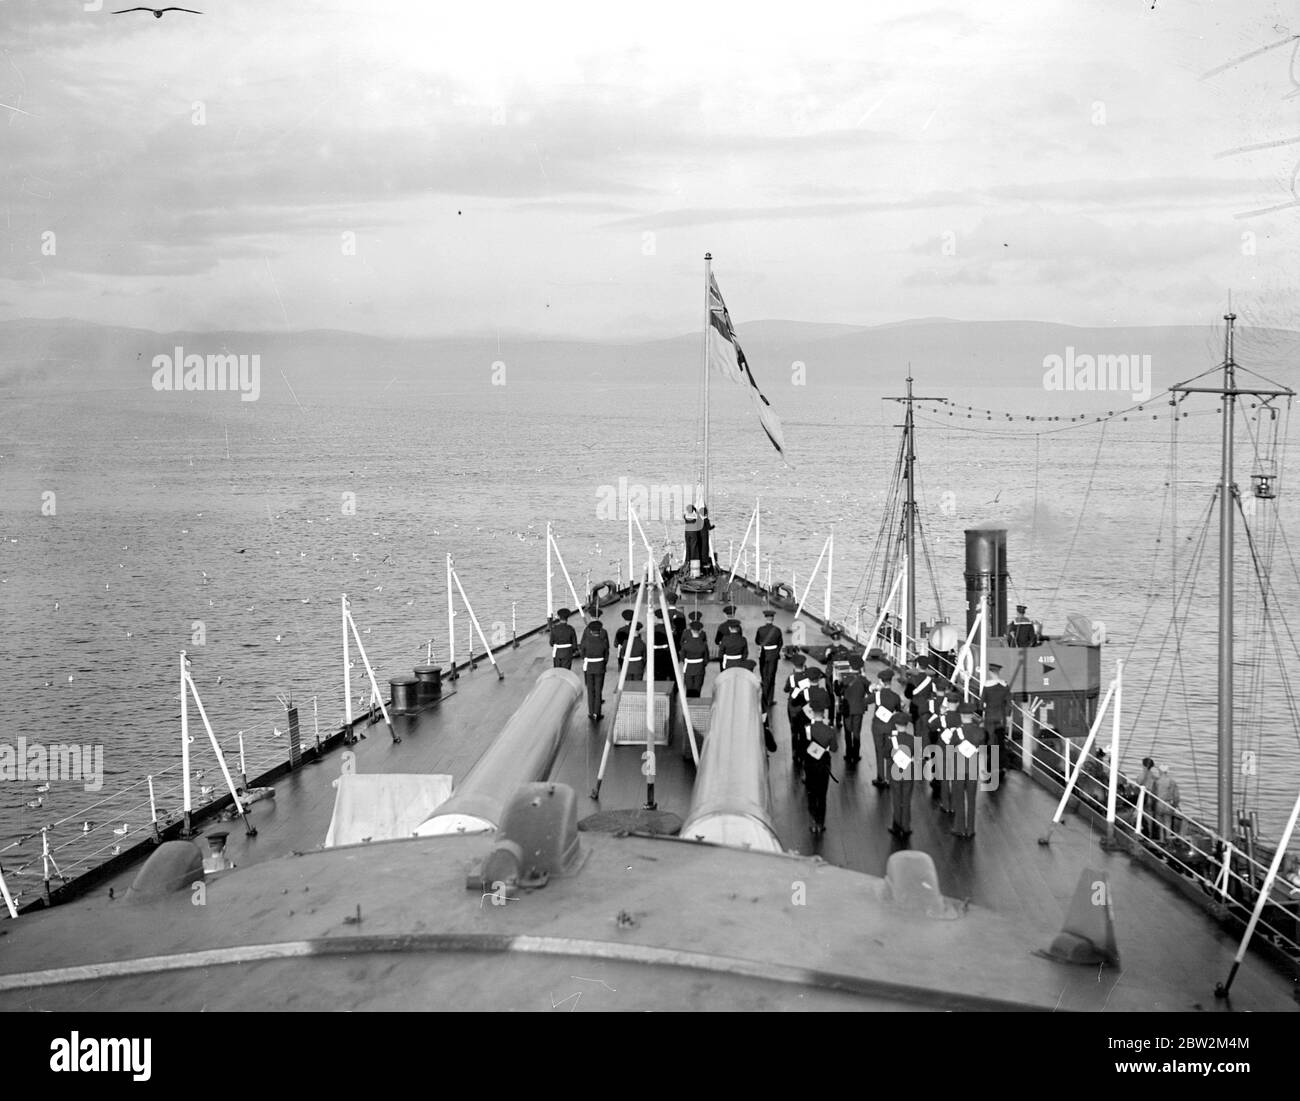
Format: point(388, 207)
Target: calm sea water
point(187, 515)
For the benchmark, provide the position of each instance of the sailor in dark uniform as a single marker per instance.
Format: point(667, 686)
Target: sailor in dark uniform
point(854, 697)
point(663, 657)
point(796, 687)
point(884, 703)
point(968, 739)
point(620, 636)
point(707, 563)
point(725, 626)
point(733, 648)
point(949, 725)
point(595, 655)
point(636, 663)
point(931, 722)
point(677, 620)
point(822, 742)
point(768, 638)
point(691, 522)
point(997, 705)
point(564, 640)
point(903, 768)
point(695, 656)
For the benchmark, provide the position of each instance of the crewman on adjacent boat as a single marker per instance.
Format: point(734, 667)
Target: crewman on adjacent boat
point(903, 767)
point(1022, 631)
point(695, 656)
point(997, 706)
point(854, 696)
point(796, 687)
point(725, 626)
point(676, 620)
point(885, 702)
point(595, 655)
point(768, 638)
point(822, 742)
point(733, 648)
point(967, 739)
point(636, 662)
point(564, 640)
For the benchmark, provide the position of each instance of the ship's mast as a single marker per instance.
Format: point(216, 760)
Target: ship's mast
point(908, 598)
point(708, 320)
point(1227, 492)
point(909, 513)
point(1228, 393)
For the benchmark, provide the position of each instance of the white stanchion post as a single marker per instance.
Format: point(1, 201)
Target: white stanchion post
point(185, 749)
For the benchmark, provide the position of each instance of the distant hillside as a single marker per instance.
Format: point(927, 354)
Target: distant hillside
point(968, 356)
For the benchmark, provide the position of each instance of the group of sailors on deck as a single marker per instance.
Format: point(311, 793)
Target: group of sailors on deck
point(922, 727)
point(688, 642)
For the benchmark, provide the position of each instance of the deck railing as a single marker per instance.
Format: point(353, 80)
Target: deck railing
point(1227, 877)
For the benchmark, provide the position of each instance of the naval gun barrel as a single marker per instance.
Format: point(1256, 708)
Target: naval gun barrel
point(522, 753)
point(730, 803)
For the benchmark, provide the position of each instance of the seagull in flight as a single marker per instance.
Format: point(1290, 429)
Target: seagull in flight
point(157, 12)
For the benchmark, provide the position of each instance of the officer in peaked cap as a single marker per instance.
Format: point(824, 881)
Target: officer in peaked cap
point(885, 704)
point(564, 640)
point(768, 638)
point(595, 655)
point(695, 656)
point(730, 612)
point(997, 705)
point(796, 687)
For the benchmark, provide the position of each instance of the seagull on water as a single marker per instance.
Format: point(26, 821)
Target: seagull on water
point(122, 831)
point(157, 12)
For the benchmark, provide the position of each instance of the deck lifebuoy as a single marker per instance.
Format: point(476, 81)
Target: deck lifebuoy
point(782, 596)
point(603, 593)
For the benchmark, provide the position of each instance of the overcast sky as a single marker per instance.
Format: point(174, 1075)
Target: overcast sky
point(561, 168)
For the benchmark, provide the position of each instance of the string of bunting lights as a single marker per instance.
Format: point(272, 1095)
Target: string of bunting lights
point(974, 412)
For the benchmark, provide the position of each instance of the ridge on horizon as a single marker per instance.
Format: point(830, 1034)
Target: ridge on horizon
point(754, 329)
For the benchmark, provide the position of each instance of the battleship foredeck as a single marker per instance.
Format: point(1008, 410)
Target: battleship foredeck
point(1168, 946)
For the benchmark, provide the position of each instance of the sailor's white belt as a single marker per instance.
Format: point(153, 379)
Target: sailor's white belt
point(562, 646)
point(730, 657)
point(588, 661)
point(816, 750)
point(694, 661)
point(776, 647)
